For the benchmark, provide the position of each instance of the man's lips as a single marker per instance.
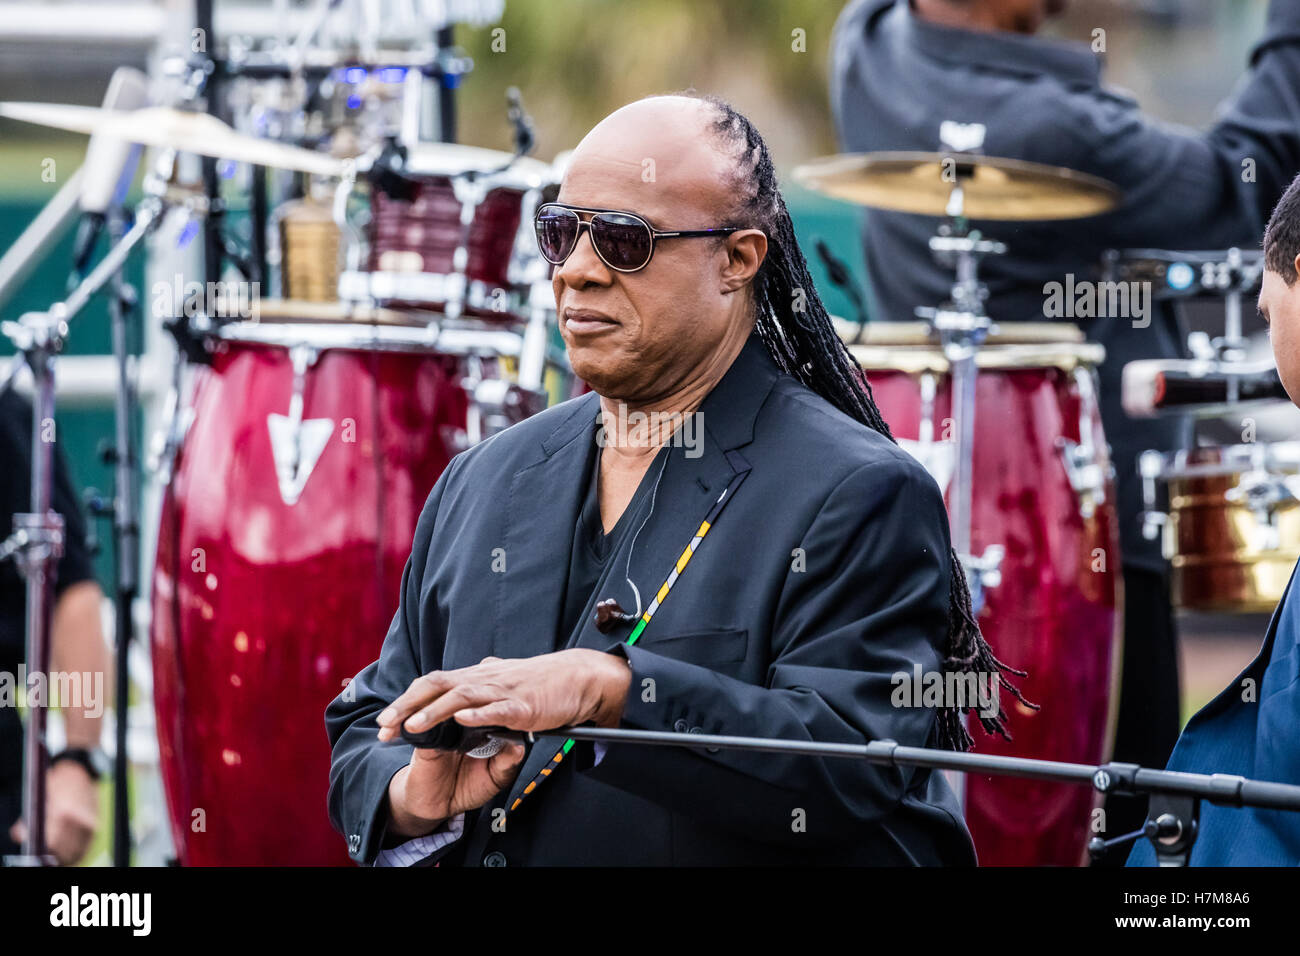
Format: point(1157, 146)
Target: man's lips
point(587, 322)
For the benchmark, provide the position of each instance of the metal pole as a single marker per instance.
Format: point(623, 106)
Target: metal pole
point(127, 555)
point(38, 568)
point(1223, 789)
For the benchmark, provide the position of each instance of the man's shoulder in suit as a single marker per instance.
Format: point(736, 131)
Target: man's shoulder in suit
point(806, 428)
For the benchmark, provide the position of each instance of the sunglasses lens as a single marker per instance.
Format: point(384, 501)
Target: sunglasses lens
point(624, 241)
point(557, 230)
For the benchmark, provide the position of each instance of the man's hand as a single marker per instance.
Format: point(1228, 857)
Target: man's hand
point(535, 693)
point(532, 693)
point(438, 784)
point(71, 812)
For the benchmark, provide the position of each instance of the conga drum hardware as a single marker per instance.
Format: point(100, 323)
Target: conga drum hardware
point(496, 403)
point(1232, 528)
point(1089, 473)
point(961, 326)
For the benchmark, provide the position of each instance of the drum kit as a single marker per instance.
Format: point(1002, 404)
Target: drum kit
point(415, 317)
point(1006, 419)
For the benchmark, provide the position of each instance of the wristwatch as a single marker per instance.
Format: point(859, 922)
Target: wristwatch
point(93, 759)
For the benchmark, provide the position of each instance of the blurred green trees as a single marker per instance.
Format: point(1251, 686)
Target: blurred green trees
point(578, 60)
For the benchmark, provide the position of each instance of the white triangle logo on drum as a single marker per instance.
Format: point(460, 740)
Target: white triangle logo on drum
point(296, 447)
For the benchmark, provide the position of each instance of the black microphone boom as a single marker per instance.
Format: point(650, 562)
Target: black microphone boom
point(1171, 825)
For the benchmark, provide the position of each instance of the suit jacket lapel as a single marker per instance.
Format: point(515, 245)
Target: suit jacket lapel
point(540, 514)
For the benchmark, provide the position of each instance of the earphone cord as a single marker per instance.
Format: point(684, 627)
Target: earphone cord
point(627, 571)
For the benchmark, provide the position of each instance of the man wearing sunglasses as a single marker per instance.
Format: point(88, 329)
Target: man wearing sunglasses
point(584, 567)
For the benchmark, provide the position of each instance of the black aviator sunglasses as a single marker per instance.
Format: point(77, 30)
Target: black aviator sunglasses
point(624, 241)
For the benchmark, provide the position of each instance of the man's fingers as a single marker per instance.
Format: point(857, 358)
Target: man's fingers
point(423, 689)
point(503, 767)
point(458, 698)
point(502, 713)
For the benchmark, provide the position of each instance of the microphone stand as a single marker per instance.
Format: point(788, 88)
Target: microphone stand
point(1173, 817)
point(37, 540)
point(126, 534)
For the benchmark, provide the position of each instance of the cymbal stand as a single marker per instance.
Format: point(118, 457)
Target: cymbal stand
point(961, 326)
point(37, 541)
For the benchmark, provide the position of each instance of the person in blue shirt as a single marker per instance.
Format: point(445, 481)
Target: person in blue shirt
point(1250, 728)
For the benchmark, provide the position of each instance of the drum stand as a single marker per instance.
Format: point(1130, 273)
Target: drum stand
point(37, 540)
point(961, 326)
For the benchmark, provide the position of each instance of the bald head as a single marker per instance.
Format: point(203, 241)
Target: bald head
point(662, 155)
point(681, 320)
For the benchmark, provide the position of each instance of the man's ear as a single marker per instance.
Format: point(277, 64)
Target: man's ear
point(746, 251)
point(1296, 264)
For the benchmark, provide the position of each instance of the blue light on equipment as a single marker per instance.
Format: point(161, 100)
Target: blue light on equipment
point(354, 74)
point(1180, 276)
point(354, 102)
point(392, 74)
point(190, 230)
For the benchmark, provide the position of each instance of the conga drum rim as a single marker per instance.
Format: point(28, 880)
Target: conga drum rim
point(919, 359)
point(1210, 461)
point(295, 311)
point(911, 347)
point(918, 333)
point(445, 338)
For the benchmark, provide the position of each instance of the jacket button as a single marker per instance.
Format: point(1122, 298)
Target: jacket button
point(495, 858)
point(681, 726)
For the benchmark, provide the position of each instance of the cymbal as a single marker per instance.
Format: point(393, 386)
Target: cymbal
point(170, 128)
point(993, 188)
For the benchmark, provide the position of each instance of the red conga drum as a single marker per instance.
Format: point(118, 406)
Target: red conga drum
point(1042, 491)
point(285, 527)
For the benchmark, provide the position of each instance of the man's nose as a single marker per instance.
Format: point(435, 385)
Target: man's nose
point(583, 267)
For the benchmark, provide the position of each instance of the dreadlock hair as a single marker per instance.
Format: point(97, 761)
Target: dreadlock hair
point(805, 344)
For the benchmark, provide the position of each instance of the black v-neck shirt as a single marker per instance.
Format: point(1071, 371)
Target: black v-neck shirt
point(592, 549)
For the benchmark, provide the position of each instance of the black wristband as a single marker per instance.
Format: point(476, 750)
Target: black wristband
point(94, 761)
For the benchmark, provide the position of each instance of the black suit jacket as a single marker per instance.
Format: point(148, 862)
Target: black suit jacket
point(826, 575)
